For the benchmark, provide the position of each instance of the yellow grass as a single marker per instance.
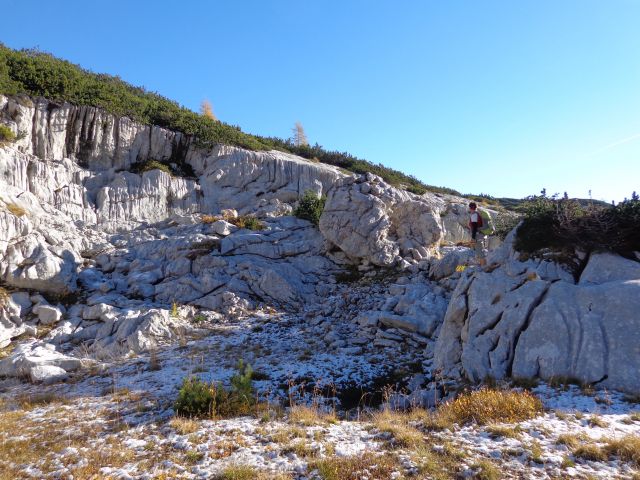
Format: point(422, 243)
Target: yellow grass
point(590, 452)
point(355, 467)
point(16, 209)
point(489, 405)
point(397, 424)
point(572, 440)
point(627, 448)
point(184, 426)
point(310, 415)
point(487, 470)
point(209, 218)
point(497, 431)
point(246, 472)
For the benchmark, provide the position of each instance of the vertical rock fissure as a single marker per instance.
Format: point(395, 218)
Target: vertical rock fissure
point(535, 304)
point(581, 266)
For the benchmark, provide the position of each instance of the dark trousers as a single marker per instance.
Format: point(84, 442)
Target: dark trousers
point(474, 230)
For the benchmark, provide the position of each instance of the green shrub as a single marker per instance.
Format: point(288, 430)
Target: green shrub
point(195, 398)
point(6, 135)
point(310, 207)
point(36, 73)
point(564, 224)
point(150, 165)
point(198, 398)
point(247, 221)
point(505, 222)
point(242, 384)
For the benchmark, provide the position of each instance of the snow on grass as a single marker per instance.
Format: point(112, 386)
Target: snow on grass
point(118, 421)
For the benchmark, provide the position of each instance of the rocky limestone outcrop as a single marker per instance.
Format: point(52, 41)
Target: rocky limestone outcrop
point(533, 319)
point(375, 223)
point(79, 159)
point(78, 224)
point(371, 221)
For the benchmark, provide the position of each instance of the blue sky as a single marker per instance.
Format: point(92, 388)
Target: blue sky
point(500, 97)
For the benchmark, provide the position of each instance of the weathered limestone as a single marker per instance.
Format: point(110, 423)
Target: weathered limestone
point(32, 354)
point(374, 222)
point(529, 319)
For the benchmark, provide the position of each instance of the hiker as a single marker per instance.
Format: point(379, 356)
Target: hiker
point(480, 226)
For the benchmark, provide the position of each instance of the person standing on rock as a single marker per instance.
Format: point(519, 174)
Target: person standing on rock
point(480, 226)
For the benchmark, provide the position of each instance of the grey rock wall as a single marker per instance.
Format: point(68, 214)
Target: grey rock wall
point(532, 319)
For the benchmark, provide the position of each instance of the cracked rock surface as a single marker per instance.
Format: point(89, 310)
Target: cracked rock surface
point(533, 319)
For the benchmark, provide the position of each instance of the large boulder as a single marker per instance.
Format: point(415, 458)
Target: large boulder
point(596, 335)
point(498, 323)
point(34, 353)
point(371, 221)
point(13, 308)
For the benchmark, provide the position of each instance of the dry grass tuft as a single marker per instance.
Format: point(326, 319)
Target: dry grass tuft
point(284, 435)
point(183, 425)
point(356, 467)
point(397, 424)
point(591, 452)
point(246, 472)
point(16, 209)
point(497, 431)
point(193, 456)
point(438, 461)
point(487, 470)
point(627, 448)
point(597, 421)
point(305, 415)
point(302, 449)
point(572, 440)
point(488, 405)
point(29, 402)
point(247, 221)
point(4, 297)
point(209, 218)
point(535, 452)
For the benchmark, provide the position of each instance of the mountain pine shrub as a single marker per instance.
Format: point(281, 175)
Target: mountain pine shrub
point(310, 207)
point(198, 398)
point(40, 74)
point(6, 135)
point(564, 225)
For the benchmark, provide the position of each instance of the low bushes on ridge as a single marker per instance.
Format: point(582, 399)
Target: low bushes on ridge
point(37, 73)
point(564, 224)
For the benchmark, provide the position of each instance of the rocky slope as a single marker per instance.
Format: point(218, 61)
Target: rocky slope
point(94, 254)
point(118, 280)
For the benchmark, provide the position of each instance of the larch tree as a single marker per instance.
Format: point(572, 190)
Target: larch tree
point(299, 137)
point(207, 110)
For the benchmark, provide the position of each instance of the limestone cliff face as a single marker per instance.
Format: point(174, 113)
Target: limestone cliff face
point(79, 157)
point(534, 319)
point(77, 160)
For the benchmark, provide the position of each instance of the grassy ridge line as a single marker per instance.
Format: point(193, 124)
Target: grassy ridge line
point(40, 74)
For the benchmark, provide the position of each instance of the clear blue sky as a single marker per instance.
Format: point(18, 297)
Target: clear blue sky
point(500, 97)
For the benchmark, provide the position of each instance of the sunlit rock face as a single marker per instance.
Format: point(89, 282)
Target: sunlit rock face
point(534, 319)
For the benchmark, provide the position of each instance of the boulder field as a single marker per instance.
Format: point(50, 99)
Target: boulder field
point(102, 253)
